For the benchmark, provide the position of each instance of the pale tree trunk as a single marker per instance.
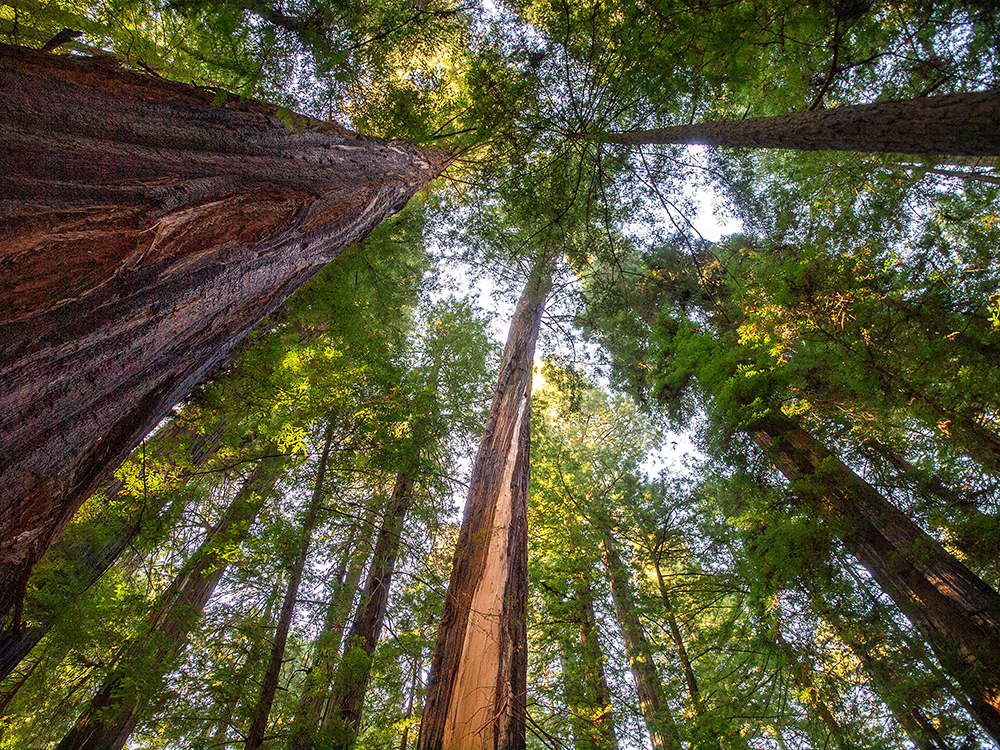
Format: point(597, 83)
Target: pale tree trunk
point(655, 710)
point(351, 682)
point(115, 710)
point(269, 686)
point(953, 610)
point(82, 562)
point(311, 710)
point(144, 232)
point(953, 124)
point(477, 688)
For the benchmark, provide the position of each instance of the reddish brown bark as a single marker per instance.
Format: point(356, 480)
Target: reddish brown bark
point(953, 610)
point(476, 692)
point(351, 681)
point(954, 124)
point(81, 562)
point(143, 232)
point(113, 713)
point(269, 685)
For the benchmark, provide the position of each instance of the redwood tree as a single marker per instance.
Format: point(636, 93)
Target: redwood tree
point(476, 692)
point(147, 226)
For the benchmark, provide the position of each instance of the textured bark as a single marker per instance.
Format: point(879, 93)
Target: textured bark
point(269, 685)
point(954, 124)
point(143, 232)
point(351, 681)
point(311, 710)
point(953, 610)
point(82, 562)
point(659, 722)
point(478, 680)
point(113, 713)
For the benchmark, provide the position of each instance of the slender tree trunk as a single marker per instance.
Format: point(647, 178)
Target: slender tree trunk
point(659, 721)
point(411, 699)
point(309, 714)
point(144, 231)
point(953, 124)
point(351, 681)
point(78, 563)
point(955, 612)
point(114, 712)
point(677, 638)
point(478, 681)
point(269, 686)
point(589, 697)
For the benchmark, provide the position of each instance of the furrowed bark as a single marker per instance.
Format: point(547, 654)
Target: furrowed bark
point(476, 692)
point(954, 611)
point(143, 233)
point(269, 686)
point(351, 681)
point(655, 711)
point(82, 562)
point(953, 124)
point(113, 713)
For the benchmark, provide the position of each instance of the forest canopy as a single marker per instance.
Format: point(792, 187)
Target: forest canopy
point(378, 374)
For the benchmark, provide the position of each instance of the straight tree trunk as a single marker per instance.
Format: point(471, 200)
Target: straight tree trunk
point(478, 681)
point(953, 610)
point(269, 686)
point(81, 562)
point(351, 681)
point(309, 714)
point(659, 722)
point(143, 233)
point(115, 710)
point(953, 124)
point(588, 696)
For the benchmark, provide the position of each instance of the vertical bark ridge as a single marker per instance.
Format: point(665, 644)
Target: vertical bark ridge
point(476, 691)
point(143, 233)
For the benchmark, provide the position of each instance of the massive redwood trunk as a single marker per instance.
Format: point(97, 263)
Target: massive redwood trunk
point(143, 232)
point(955, 612)
point(476, 692)
point(954, 124)
point(113, 713)
point(351, 682)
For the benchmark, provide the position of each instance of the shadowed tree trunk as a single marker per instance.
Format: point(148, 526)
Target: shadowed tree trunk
point(309, 715)
point(144, 231)
point(953, 610)
point(269, 686)
point(953, 124)
point(476, 692)
point(351, 681)
point(80, 562)
point(113, 713)
point(655, 711)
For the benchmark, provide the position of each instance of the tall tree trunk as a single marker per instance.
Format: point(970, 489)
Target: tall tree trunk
point(144, 231)
point(351, 681)
point(476, 693)
point(114, 712)
point(955, 612)
point(659, 721)
point(309, 714)
point(953, 124)
point(411, 698)
point(80, 562)
point(588, 696)
point(269, 686)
